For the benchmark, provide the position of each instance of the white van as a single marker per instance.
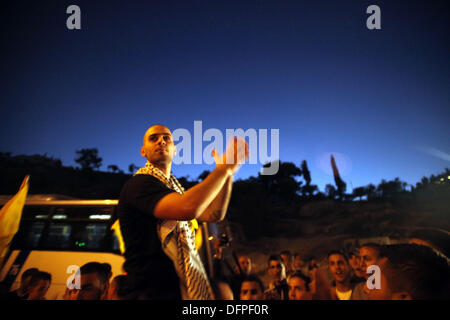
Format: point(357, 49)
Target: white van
point(55, 235)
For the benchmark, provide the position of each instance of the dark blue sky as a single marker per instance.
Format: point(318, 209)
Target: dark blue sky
point(377, 99)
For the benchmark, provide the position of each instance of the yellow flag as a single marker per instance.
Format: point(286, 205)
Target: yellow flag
point(194, 226)
point(10, 216)
point(198, 234)
point(118, 233)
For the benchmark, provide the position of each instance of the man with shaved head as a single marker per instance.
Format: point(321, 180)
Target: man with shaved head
point(158, 218)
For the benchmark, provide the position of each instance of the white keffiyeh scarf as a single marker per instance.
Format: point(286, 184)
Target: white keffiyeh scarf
point(188, 262)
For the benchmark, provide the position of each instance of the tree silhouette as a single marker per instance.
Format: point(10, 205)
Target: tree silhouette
point(371, 191)
point(132, 168)
point(203, 175)
point(340, 184)
point(359, 192)
point(88, 159)
point(113, 168)
point(425, 181)
point(330, 191)
point(282, 185)
point(305, 172)
point(308, 189)
point(388, 189)
point(5, 155)
point(186, 183)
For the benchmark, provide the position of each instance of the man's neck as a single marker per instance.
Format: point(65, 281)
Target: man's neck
point(165, 168)
point(343, 286)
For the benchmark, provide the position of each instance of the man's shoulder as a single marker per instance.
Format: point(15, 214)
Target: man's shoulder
point(142, 187)
point(13, 295)
point(143, 177)
point(143, 180)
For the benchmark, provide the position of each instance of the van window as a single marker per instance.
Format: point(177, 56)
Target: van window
point(58, 236)
point(90, 236)
point(67, 227)
point(29, 235)
point(84, 213)
point(36, 212)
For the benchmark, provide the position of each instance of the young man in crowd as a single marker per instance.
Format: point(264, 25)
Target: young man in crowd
point(115, 291)
point(278, 287)
point(299, 287)
point(39, 285)
point(94, 284)
point(343, 288)
point(252, 288)
point(22, 292)
point(369, 254)
point(411, 272)
point(299, 264)
point(355, 263)
point(245, 265)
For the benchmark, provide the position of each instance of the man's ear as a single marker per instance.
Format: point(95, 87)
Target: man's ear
point(403, 295)
point(143, 152)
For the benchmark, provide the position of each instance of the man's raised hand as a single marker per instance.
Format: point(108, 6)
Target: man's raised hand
point(235, 155)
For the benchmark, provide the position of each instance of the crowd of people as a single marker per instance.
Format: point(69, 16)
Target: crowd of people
point(95, 284)
point(406, 271)
point(402, 271)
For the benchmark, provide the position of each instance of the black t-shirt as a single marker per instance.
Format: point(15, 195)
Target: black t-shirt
point(13, 295)
point(148, 268)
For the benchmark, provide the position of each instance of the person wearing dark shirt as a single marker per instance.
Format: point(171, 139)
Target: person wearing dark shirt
point(252, 288)
point(39, 285)
point(234, 276)
point(22, 292)
point(343, 287)
point(94, 281)
point(411, 272)
point(157, 216)
point(278, 287)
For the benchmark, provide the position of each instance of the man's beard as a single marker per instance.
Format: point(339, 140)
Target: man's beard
point(161, 160)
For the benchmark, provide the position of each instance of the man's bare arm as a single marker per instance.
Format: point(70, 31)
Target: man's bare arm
point(217, 209)
point(195, 201)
